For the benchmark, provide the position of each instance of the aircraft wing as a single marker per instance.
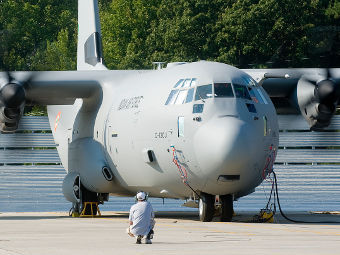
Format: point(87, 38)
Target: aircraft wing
point(51, 87)
point(313, 92)
point(18, 89)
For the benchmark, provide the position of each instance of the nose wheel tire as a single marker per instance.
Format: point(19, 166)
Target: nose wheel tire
point(227, 208)
point(206, 207)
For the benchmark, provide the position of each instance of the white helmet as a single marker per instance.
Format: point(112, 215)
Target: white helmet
point(141, 196)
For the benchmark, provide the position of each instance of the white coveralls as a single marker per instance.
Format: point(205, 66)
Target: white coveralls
point(142, 216)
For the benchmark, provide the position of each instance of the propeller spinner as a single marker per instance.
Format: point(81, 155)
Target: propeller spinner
point(12, 103)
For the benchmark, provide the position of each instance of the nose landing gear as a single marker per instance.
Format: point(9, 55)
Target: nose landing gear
point(227, 207)
point(207, 207)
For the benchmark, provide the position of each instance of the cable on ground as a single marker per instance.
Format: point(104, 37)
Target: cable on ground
point(276, 194)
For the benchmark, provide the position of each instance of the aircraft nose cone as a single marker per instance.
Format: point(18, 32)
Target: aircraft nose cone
point(225, 146)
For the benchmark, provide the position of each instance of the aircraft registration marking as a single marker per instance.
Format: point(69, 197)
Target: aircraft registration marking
point(57, 121)
point(163, 134)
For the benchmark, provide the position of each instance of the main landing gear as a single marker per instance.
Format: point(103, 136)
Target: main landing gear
point(207, 207)
point(89, 196)
point(87, 205)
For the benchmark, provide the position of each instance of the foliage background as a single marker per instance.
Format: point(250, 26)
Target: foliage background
point(41, 34)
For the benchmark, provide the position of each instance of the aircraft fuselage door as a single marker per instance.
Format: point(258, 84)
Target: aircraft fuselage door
point(180, 125)
point(111, 136)
point(109, 139)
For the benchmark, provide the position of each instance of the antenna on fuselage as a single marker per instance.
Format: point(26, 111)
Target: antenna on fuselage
point(158, 65)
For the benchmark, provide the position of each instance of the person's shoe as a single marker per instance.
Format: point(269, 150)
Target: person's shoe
point(148, 241)
point(150, 235)
point(139, 240)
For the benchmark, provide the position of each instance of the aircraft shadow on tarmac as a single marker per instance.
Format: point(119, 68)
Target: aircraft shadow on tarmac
point(160, 214)
point(240, 217)
point(30, 217)
point(243, 217)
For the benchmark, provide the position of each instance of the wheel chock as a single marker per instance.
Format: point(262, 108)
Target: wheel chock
point(75, 215)
point(91, 204)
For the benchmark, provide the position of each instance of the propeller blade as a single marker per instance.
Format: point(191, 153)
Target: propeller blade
point(328, 74)
point(306, 92)
point(9, 77)
point(326, 92)
point(26, 84)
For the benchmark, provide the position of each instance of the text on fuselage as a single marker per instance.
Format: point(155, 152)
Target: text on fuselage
point(130, 103)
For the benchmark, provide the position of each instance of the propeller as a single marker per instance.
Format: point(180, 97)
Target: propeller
point(12, 89)
point(12, 101)
point(319, 106)
point(327, 90)
point(12, 94)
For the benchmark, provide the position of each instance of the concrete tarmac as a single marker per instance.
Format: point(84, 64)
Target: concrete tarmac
point(175, 233)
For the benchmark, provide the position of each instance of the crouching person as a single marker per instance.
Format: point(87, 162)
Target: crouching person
point(141, 219)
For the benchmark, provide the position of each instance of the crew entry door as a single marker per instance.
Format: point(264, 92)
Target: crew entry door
point(111, 141)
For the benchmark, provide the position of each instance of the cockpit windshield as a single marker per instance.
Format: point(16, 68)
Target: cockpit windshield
point(223, 90)
point(187, 90)
point(241, 91)
point(203, 92)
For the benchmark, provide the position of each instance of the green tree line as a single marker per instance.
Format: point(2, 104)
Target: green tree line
point(42, 34)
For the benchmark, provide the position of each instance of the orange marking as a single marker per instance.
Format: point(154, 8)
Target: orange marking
point(57, 121)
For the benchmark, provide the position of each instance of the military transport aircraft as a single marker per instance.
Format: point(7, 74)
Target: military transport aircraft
point(190, 130)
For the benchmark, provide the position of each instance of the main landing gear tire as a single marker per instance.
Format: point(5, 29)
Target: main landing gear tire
point(206, 207)
point(227, 208)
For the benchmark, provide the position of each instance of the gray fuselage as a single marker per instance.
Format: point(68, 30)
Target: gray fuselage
point(220, 123)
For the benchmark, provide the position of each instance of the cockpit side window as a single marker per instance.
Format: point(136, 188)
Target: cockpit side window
point(183, 92)
point(241, 91)
point(253, 94)
point(186, 83)
point(182, 95)
point(203, 92)
point(172, 97)
point(190, 95)
point(179, 83)
point(223, 90)
point(193, 82)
